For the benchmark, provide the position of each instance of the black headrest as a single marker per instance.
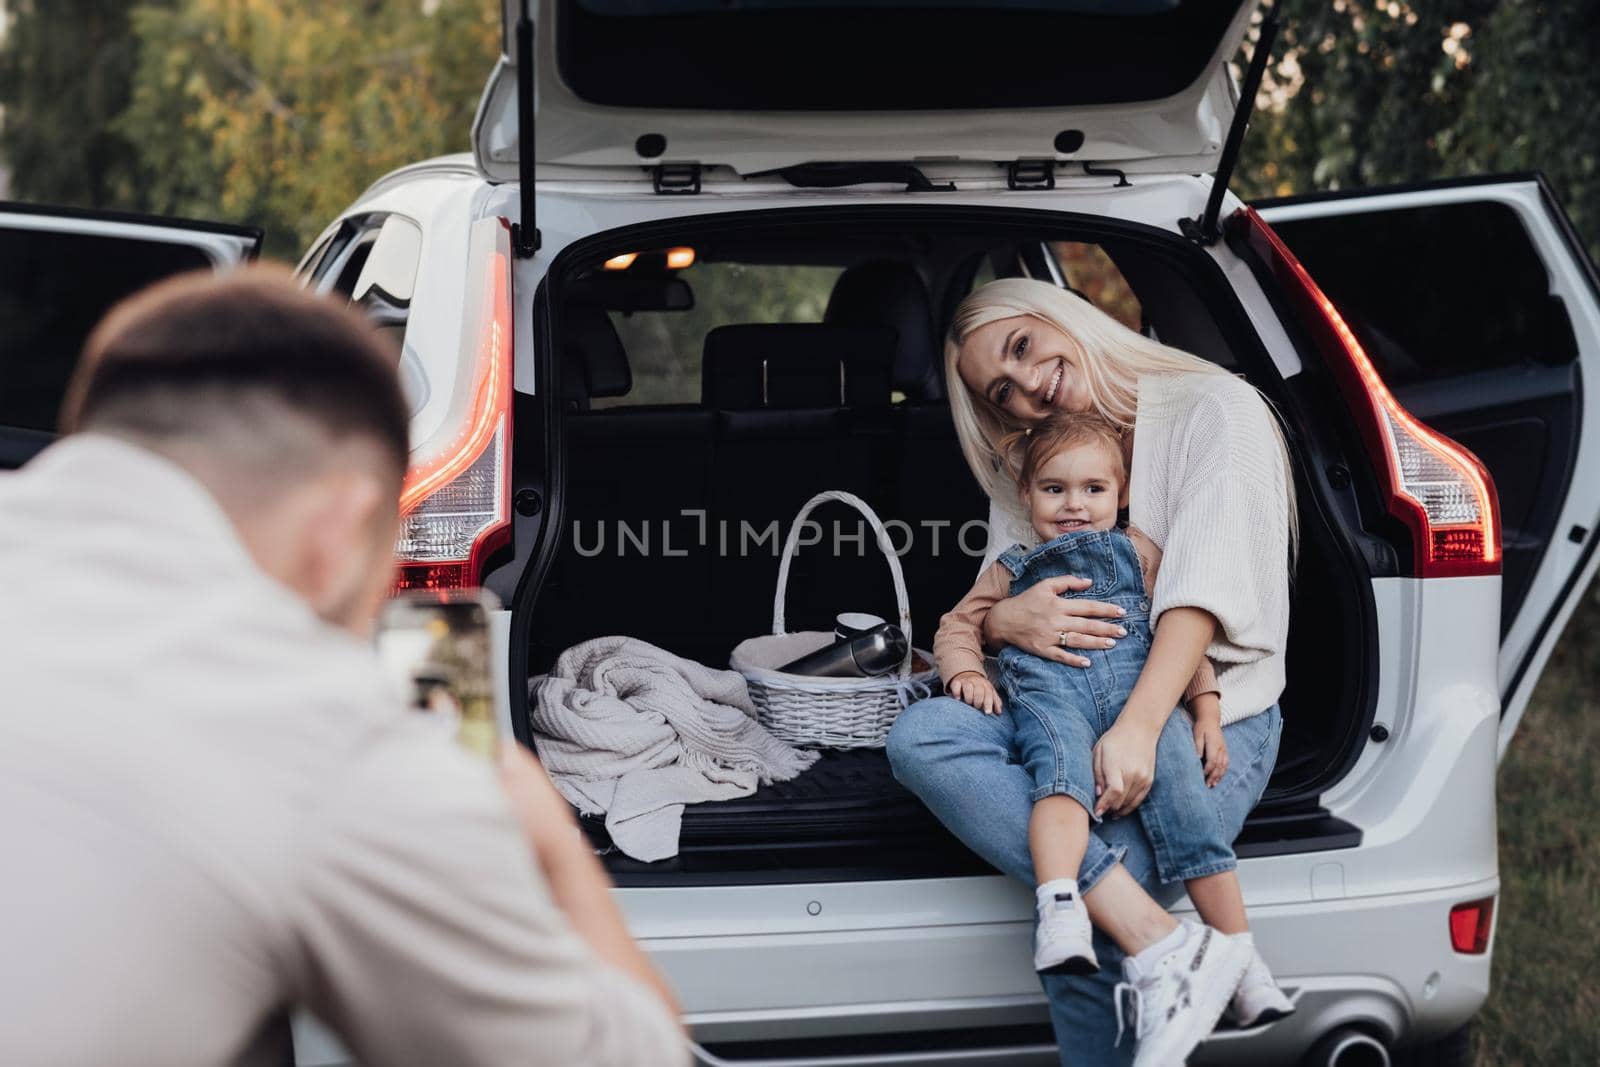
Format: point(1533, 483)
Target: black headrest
point(798, 365)
point(596, 363)
point(891, 293)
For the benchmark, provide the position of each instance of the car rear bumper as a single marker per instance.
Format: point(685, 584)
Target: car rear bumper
point(1383, 964)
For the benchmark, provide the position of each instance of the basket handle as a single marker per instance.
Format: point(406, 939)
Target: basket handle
point(792, 542)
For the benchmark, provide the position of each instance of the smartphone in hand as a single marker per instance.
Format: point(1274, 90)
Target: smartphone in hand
point(436, 646)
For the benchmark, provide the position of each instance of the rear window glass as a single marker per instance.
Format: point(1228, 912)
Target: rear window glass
point(54, 288)
point(1437, 291)
point(664, 347)
point(1088, 269)
point(373, 260)
point(884, 56)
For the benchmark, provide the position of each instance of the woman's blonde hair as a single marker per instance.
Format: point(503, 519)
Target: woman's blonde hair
point(1112, 358)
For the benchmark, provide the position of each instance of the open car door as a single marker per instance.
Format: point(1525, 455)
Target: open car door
point(1480, 307)
point(60, 270)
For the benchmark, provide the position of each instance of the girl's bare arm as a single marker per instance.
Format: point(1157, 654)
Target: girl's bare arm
point(1204, 679)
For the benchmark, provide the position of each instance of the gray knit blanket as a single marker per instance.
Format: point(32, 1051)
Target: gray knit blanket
point(633, 732)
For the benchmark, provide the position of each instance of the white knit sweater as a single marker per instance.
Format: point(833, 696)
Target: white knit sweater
point(1210, 490)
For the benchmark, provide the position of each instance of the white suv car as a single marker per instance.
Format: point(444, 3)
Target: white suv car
point(612, 429)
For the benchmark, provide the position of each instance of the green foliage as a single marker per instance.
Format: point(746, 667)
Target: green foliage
point(299, 104)
point(1536, 103)
point(64, 75)
point(1367, 93)
point(279, 113)
point(272, 112)
point(1542, 1004)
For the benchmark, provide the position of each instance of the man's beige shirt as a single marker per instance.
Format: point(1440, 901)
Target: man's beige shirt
point(212, 808)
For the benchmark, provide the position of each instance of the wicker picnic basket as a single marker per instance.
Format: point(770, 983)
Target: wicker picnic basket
point(828, 712)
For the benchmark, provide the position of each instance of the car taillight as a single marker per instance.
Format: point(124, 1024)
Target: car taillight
point(1470, 924)
point(1437, 488)
point(455, 501)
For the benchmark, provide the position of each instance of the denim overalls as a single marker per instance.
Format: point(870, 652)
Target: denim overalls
point(1061, 711)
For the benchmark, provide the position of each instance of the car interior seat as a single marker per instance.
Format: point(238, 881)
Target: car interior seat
point(891, 293)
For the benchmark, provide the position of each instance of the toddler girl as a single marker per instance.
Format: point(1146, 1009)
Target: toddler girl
point(1073, 479)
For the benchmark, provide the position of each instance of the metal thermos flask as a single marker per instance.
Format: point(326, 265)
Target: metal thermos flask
point(877, 651)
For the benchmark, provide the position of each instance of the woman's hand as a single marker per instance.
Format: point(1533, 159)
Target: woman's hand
point(975, 688)
point(1124, 766)
point(1035, 619)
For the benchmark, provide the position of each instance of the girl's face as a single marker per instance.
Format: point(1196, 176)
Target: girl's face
point(1078, 488)
point(1025, 366)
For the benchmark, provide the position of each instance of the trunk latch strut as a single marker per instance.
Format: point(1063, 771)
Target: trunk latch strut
point(1203, 230)
point(1031, 174)
point(677, 179)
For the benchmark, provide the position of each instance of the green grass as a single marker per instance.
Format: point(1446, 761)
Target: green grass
point(1545, 1000)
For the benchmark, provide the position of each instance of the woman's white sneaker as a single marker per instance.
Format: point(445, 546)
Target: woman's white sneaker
point(1063, 942)
point(1258, 1000)
point(1177, 1000)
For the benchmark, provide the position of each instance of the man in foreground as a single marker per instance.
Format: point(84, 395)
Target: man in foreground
point(211, 805)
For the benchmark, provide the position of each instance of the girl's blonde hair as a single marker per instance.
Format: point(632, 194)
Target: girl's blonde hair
point(1112, 358)
point(1026, 451)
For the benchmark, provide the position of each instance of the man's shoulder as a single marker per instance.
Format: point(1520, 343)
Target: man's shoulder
point(400, 773)
point(412, 817)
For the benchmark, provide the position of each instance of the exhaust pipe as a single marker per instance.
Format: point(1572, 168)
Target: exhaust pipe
point(1348, 1047)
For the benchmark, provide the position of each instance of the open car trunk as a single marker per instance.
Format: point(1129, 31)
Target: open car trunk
point(1140, 85)
point(679, 476)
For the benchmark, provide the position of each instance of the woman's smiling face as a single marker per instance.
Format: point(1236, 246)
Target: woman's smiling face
point(1024, 366)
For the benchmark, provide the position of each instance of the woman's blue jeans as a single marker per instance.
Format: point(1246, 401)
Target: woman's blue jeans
point(962, 764)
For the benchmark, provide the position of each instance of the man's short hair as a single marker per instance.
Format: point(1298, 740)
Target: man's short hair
point(247, 358)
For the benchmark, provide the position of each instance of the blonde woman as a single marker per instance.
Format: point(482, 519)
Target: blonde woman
point(1209, 483)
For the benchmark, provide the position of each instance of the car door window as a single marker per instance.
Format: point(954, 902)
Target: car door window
point(336, 265)
point(1453, 303)
point(54, 288)
point(389, 272)
point(372, 261)
point(312, 263)
point(1088, 269)
point(1438, 291)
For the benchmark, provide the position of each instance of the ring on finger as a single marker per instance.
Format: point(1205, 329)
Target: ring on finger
point(1061, 638)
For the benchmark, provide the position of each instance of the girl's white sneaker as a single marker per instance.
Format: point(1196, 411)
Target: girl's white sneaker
point(1258, 1001)
point(1063, 942)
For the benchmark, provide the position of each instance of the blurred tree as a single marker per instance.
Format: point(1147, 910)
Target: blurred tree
point(280, 112)
point(1370, 92)
point(1535, 102)
point(64, 74)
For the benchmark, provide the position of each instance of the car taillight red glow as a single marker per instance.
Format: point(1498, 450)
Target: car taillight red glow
point(1437, 488)
point(1470, 924)
point(455, 501)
